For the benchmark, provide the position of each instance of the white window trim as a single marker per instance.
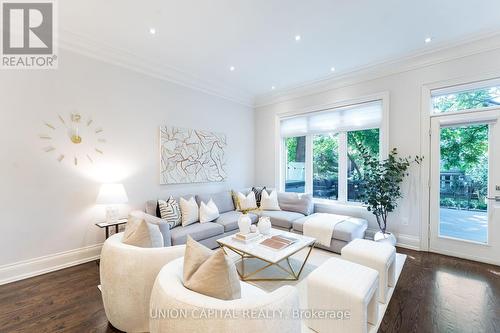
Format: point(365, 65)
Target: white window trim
point(342, 190)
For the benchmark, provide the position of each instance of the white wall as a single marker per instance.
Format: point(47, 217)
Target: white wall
point(405, 88)
point(48, 207)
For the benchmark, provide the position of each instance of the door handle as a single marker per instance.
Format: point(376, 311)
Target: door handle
point(496, 198)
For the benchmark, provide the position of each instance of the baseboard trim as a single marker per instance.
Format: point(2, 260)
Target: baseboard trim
point(46, 264)
point(466, 256)
point(405, 241)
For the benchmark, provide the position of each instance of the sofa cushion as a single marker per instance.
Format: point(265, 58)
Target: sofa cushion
point(346, 231)
point(198, 231)
point(229, 220)
point(222, 200)
point(294, 202)
point(281, 218)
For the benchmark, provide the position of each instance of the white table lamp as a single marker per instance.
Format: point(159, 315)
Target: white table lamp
point(112, 195)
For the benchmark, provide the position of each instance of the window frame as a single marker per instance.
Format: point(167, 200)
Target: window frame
point(342, 147)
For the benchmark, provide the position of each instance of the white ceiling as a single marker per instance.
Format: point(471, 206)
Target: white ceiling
point(202, 39)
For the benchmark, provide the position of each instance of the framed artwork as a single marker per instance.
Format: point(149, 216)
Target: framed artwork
point(191, 156)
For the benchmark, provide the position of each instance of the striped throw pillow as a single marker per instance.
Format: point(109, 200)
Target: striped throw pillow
point(170, 211)
point(258, 194)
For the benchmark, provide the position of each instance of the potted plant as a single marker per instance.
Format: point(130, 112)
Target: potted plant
point(381, 181)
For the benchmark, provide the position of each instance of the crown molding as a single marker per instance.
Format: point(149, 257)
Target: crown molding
point(121, 57)
point(441, 53)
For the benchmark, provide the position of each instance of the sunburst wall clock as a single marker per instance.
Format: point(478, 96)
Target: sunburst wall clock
point(73, 138)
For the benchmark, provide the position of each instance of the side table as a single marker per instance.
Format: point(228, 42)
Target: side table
point(108, 225)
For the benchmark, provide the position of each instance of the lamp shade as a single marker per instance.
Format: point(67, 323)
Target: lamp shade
point(112, 194)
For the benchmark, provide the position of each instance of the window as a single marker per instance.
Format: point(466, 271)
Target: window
point(445, 100)
point(355, 167)
point(322, 150)
point(326, 166)
point(295, 164)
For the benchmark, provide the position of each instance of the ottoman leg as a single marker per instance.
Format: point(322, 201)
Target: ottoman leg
point(382, 285)
point(373, 309)
point(391, 279)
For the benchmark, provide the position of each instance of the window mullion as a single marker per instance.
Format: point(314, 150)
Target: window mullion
point(309, 165)
point(343, 167)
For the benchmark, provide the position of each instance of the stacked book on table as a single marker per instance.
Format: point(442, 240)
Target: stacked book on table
point(246, 238)
point(278, 242)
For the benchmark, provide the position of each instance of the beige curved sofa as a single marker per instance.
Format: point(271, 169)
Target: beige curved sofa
point(127, 277)
point(175, 308)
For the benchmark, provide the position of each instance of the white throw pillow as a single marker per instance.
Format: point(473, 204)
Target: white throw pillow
point(269, 201)
point(189, 211)
point(247, 202)
point(208, 212)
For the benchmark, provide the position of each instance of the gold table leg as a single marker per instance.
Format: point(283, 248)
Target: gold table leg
point(292, 275)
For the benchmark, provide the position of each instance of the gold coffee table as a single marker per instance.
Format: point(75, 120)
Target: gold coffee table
point(255, 250)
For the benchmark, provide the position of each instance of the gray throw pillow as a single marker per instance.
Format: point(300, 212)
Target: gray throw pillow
point(294, 202)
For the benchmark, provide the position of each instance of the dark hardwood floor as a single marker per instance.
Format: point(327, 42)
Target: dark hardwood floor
point(434, 294)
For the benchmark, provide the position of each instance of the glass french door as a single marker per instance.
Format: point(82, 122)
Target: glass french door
point(465, 185)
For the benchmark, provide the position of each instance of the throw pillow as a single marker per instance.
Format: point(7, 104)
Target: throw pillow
point(269, 201)
point(210, 273)
point(140, 233)
point(258, 194)
point(236, 203)
point(293, 202)
point(163, 225)
point(208, 212)
point(247, 202)
point(170, 211)
point(189, 211)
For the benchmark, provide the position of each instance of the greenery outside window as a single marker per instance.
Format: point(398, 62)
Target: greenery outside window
point(320, 154)
point(479, 98)
point(326, 166)
point(355, 169)
point(295, 164)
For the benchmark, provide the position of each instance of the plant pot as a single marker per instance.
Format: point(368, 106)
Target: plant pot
point(244, 223)
point(388, 238)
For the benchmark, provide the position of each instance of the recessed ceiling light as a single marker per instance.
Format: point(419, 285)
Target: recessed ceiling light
point(232, 68)
point(298, 38)
point(152, 31)
point(428, 40)
point(332, 69)
point(273, 87)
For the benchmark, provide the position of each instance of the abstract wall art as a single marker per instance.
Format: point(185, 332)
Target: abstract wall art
point(191, 156)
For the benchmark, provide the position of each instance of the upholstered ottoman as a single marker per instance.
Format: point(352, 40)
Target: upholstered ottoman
point(379, 256)
point(342, 286)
